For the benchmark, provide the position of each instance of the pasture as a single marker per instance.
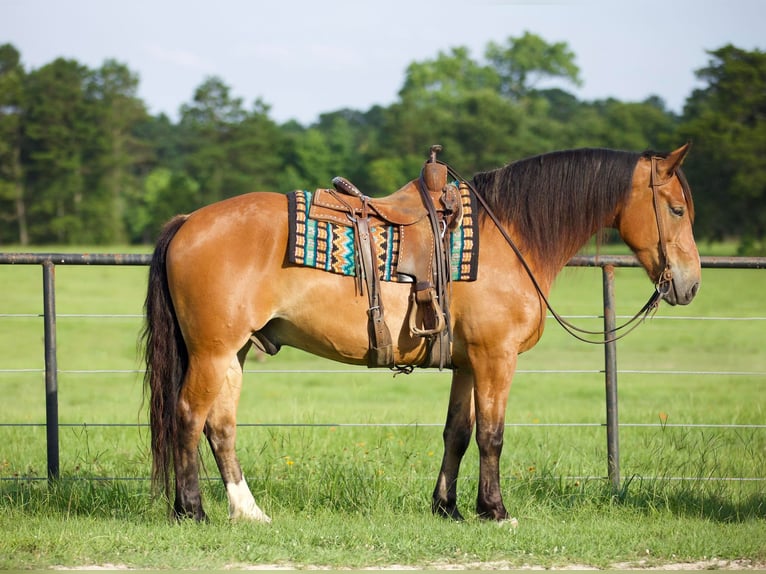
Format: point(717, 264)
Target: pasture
point(344, 459)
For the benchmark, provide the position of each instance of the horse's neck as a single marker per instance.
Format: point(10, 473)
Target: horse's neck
point(546, 271)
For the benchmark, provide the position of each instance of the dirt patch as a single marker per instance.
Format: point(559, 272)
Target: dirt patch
point(714, 564)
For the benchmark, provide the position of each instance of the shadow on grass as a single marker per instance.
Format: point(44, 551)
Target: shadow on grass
point(713, 500)
point(719, 501)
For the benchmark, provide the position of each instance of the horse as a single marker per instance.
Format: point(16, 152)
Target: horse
point(219, 279)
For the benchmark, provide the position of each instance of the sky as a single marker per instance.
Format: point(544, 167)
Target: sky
point(308, 57)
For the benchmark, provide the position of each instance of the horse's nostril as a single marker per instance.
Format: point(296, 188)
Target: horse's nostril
point(694, 290)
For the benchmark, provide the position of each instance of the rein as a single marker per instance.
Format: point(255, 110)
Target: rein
point(661, 288)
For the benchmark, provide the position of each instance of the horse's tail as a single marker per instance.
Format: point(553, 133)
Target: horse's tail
point(166, 360)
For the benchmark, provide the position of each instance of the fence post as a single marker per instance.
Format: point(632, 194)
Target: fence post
point(610, 370)
point(51, 369)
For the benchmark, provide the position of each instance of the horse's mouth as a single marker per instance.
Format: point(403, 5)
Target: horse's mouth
point(680, 296)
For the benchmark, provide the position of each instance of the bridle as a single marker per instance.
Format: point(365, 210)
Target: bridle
point(662, 287)
point(665, 280)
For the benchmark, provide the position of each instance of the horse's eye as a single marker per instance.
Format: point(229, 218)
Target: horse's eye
point(677, 211)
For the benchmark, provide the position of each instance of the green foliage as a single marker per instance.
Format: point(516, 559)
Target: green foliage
point(81, 160)
point(165, 194)
point(11, 169)
point(525, 61)
point(727, 121)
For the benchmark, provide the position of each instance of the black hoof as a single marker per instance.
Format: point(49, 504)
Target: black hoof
point(447, 511)
point(497, 514)
point(196, 514)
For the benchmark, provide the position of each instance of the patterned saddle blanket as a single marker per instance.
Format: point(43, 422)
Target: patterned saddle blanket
point(331, 246)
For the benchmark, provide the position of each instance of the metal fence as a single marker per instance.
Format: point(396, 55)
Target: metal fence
point(607, 263)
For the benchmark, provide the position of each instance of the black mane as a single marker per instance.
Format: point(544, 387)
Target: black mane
point(557, 200)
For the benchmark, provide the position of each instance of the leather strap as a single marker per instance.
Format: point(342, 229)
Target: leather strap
point(381, 346)
point(441, 333)
point(666, 278)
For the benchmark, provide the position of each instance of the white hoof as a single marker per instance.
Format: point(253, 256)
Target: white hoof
point(242, 505)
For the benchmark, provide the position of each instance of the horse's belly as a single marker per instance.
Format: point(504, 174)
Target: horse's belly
point(325, 315)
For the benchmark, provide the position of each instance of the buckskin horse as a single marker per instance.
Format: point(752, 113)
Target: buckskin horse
point(220, 281)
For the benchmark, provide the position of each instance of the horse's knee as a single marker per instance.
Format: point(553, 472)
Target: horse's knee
point(490, 440)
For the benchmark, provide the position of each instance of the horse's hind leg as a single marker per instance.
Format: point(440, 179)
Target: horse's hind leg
point(203, 382)
point(221, 432)
point(457, 437)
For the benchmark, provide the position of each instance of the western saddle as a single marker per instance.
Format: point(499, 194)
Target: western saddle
point(424, 210)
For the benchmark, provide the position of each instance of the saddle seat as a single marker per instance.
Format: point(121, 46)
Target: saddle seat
point(403, 207)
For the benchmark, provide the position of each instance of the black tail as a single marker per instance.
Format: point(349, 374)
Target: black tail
point(166, 360)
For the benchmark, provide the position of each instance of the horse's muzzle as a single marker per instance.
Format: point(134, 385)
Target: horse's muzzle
point(680, 292)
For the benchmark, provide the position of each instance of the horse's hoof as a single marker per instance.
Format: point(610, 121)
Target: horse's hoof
point(451, 512)
point(256, 515)
point(500, 515)
point(199, 516)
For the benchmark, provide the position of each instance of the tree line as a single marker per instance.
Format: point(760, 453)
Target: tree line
point(83, 162)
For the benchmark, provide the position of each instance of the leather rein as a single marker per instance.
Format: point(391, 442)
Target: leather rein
point(662, 287)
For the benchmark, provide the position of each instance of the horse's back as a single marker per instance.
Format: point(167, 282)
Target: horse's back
point(239, 217)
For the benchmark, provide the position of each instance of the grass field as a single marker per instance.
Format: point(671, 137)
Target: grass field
point(344, 462)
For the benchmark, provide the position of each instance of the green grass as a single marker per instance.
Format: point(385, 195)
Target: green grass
point(359, 496)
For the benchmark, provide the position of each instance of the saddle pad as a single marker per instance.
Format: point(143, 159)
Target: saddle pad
point(331, 246)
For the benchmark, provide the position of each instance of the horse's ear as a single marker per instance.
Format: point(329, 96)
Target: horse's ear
point(670, 164)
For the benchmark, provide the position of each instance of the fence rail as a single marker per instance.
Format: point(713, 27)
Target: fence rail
point(607, 263)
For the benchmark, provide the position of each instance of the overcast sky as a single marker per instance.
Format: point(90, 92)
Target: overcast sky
point(306, 57)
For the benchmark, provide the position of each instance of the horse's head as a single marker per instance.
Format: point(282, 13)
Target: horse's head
point(656, 222)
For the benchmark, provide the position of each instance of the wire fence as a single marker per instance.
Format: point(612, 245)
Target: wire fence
point(83, 259)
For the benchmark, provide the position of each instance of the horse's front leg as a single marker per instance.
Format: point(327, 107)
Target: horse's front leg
point(492, 383)
point(457, 437)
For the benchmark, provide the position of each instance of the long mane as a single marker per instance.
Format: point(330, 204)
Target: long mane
point(556, 201)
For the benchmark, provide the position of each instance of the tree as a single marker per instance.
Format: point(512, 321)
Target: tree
point(207, 124)
point(12, 200)
point(447, 79)
point(255, 153)
point(228, 150)
point(727, 122)
point(452, 100)
point(620, 125)
point(58, 146)
point(112, 91)
point(165, 194)
point(523, 62)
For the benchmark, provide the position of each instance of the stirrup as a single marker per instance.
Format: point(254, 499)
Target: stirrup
point(425, 296)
